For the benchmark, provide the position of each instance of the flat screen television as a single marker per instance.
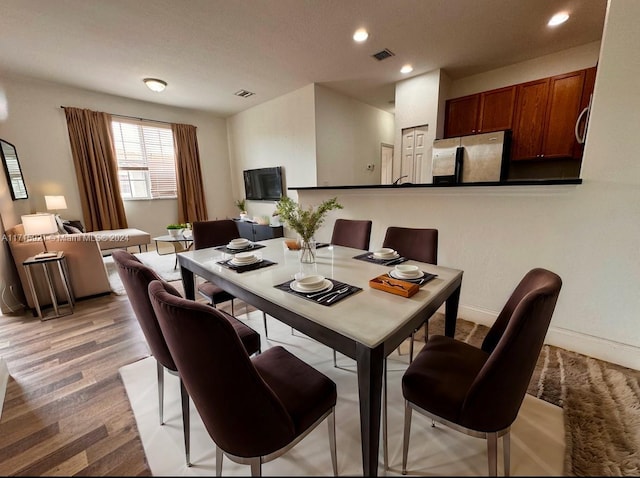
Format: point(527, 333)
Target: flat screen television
point(264, 184)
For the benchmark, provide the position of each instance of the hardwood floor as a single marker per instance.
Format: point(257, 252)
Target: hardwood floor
point(66, 411)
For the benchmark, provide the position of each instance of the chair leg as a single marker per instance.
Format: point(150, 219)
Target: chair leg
point(232, 311)
point(264, 319)
point(331, 424)
point(411, 346)
point(256, 466)
point(186, 427)
point(160, 373)
point(385, 434)
point(407, 433)
point(492, 453)
point(219, 458)
point(335, 361)
point(506, 446)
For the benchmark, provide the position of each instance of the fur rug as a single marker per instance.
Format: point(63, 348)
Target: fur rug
point(164, 265)
point(600, 401)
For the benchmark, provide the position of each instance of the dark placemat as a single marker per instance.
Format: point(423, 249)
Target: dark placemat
point(252, 247)
point(249, 267)
point(337, 285)
point(422, 281)
point(368, 257)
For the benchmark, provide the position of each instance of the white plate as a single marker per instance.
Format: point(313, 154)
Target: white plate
point(395, 255)
point(244, 263)
point(310, 283)
point(393, 273)
point(326, 287)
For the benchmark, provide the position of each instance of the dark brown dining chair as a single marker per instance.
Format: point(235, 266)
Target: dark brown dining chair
point(254, 409)
point(417, 244)
point(135, 277)
point(479, 391)
point(352, 233)
point(213, 234)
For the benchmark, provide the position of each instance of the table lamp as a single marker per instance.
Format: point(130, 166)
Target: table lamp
point(55, 203)
point(39, 225)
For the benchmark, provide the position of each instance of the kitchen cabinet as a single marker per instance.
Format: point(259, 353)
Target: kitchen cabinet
point(484, 112)
point(461, 115)
point(545, 117)
point(258, 232)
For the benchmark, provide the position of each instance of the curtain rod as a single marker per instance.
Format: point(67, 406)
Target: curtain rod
point(131, 117)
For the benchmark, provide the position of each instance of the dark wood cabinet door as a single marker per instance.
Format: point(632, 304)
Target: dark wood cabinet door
point(496, 110)
point(563, 108)
point(528, 124)
point(461, 116)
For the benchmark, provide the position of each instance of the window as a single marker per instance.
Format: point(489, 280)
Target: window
point(146, 159)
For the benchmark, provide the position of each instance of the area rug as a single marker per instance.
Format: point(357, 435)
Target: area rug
point(537, 438)
point(600, 401)
point(163, 265)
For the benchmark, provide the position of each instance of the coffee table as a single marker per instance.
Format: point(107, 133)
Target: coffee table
point(180, 244)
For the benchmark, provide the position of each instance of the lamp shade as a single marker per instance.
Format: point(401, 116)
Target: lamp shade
point(39, 224)
point(55, 202)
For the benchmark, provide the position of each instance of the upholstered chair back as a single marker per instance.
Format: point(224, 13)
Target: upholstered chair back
point(417, 244)
point(214, 233)
point(352, 233)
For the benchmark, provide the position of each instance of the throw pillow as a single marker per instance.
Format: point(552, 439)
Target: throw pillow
point(72, 229)
point(76, 224)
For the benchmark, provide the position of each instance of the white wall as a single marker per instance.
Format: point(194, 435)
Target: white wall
point(589, 234)
point(573, 59)
point(349, 135)
point(417, 103)
point(36, 125)
point(280, 132)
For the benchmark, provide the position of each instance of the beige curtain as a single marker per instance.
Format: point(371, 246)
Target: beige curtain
point(191, 202)
point(96, 169)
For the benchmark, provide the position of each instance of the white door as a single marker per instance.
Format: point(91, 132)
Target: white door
point(386, 164)
point(413, 151)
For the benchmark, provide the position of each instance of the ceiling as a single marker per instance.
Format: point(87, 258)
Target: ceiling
point(206, 50)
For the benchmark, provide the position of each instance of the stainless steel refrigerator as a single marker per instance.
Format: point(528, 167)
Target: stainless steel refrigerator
point(477, 158)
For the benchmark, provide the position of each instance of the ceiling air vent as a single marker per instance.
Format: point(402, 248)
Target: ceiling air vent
point(244, 93)
point(381, 55)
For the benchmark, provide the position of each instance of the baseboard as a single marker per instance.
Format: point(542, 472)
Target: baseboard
point(596, 347)
point(4, 378)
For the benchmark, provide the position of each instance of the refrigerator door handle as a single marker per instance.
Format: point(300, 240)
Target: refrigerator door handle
point(585, 112)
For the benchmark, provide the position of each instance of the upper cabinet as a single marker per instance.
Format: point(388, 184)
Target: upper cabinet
point(542, 114)
point(480, 113)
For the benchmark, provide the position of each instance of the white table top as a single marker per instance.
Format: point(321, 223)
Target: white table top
point(370, 316)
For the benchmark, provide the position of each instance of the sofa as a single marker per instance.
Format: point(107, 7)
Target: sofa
point(83, 252)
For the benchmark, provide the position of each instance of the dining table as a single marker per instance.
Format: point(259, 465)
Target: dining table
point(367, 324)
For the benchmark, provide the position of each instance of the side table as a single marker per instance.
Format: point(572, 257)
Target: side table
point(45, 265)
point(180, 244)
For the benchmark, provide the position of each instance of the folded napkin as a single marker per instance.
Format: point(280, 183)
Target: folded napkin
point(250, 247)
point(326, 297)
point(249, 267)
point(368, 257)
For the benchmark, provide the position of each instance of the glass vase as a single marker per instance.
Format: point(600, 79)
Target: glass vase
point(307, 251)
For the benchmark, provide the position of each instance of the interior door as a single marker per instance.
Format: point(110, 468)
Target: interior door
point(386, 163)
point(413, 153)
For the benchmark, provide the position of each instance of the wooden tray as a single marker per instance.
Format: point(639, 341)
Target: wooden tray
point(394, 286)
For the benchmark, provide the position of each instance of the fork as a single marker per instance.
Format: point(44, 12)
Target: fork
point(334, 292)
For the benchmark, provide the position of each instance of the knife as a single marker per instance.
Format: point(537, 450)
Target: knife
point(394, 261)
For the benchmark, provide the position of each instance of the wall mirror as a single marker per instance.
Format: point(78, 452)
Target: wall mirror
point(13, 171)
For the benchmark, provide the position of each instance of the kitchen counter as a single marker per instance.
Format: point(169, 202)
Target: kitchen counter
point(535, 182)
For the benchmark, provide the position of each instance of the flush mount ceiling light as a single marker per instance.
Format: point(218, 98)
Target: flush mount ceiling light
point(558, 19)
point(406, 69)
point(360, 35)
point(155, 84)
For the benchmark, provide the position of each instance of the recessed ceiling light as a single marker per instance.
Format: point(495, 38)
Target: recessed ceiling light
point(155, 85)
point(558, 18)
point(360, 35)
point(406, 69)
